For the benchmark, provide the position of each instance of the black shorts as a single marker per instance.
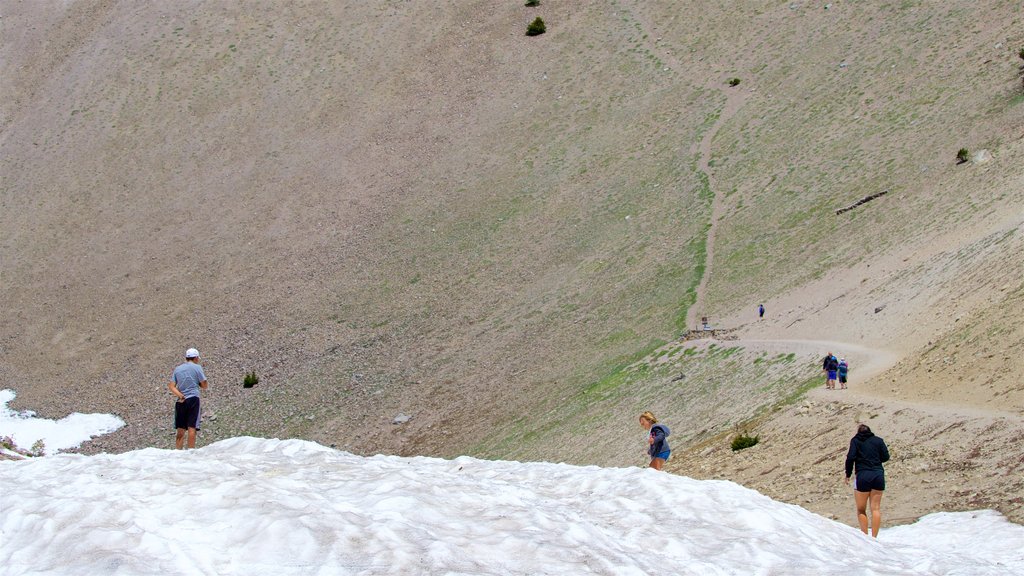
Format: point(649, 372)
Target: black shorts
point(869, 480)
point(842, 379)
point(187, 413)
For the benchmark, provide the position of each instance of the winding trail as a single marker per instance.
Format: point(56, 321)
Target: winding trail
point(867, 363)
point(734, 99)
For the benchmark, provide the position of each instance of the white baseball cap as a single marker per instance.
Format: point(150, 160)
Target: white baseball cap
point(191, 353)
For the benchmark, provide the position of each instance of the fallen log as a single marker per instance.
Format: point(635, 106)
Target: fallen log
point(861, 201)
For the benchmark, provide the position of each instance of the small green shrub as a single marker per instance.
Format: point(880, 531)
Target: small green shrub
point(744, 440)
point(532, 3)
point(963, 155)
point(1021, 53)
point(250, 380)
point(734, 82)
point(536, 28)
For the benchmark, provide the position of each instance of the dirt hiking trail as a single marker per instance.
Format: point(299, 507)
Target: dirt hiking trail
point(945, 457)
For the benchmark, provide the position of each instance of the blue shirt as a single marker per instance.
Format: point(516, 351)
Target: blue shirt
point(187, 377)
point(660, 434)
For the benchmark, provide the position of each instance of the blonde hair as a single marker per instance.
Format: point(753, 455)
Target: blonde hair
point(649, 417)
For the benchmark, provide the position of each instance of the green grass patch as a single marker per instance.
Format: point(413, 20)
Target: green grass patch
point(618, 337)
point(618, 373)
point(722, 353)
point(801, 390)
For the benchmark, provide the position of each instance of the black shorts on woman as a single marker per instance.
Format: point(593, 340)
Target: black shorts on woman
point(868, 480)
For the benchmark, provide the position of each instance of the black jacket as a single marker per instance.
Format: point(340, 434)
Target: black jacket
point(867, 451)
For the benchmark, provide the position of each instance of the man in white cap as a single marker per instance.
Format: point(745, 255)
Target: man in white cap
point(185, 383)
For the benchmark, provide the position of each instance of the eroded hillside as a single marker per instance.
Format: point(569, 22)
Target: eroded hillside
point(401, 207)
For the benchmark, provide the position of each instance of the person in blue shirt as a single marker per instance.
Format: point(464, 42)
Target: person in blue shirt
point(844, 369)
point(657, 443)
point(186, 381)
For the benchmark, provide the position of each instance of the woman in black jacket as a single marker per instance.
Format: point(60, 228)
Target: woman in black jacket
point(867, 453)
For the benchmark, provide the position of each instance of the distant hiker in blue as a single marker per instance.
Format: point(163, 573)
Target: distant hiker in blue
point(185, 383)
point(760, 311)
point(843, 370)
point(657, 441)
point(867, 453)
point(830, 366)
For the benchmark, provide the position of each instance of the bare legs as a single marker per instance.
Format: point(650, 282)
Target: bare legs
point(875, 496)
point(179, 439)
point(876, 512)
point(657, 463)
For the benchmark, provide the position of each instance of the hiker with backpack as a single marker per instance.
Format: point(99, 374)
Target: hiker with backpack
point(657, 443)
point(843, 370)
point(830, 366)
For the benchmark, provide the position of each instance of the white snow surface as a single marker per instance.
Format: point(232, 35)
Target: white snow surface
point(57, 435)
point(280, 507)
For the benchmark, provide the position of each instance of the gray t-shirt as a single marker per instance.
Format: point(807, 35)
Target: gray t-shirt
point(187, 377)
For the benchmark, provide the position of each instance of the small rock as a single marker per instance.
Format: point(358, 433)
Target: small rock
point(401, 418)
